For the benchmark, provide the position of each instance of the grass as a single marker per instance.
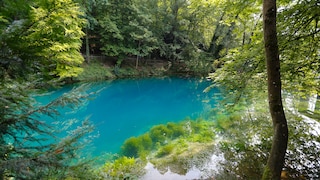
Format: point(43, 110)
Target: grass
point(100, 70)
point(95, 71)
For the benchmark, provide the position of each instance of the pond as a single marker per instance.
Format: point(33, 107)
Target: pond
point(130, 107)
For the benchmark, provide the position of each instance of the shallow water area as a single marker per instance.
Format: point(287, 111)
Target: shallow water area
point(208, 170)
point(130, 107)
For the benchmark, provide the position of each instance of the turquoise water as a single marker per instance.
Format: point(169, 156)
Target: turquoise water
point(130, 107)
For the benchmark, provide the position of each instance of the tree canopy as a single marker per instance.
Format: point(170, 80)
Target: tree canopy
point(42, 36)
point(43, 40)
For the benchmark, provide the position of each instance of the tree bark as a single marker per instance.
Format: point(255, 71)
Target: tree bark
point(87, 45)
point(280, 129)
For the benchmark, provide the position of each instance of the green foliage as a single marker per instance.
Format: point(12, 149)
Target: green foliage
point(123, 168)
point(160, 133)
point(127, 72)
point(136, 146)
point(45, 37)
point(243, 147)
point(246, 142)
point(165, 150)
point(243, 72)
point(200, 131)
point(171, 139)
point(243, 65)
point(132, 147)
point(181, 145)
point(196, 126)
point(163, 133)
point(227, 121)
point(57, 27)
point(223, 122)
point(200, 63)
point(146, 141)
point(125, 30)
point(299, 46)
point(25, 150)
point(95, 71)
point(39, 39)
point(174, 30)
point(177, 130)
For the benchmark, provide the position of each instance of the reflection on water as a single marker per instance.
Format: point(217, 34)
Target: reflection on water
point(153, 173)
point(207, 171)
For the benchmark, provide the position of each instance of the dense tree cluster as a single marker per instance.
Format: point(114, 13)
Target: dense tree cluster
point(197, 32)
point(42, 36)
point(44, 41)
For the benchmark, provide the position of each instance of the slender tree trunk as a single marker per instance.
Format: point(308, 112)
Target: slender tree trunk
point(137, 60)
point(87, 46)
point(215, 36)
point(280, 129)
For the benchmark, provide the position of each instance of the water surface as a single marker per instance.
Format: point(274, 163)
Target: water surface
point(130, 107)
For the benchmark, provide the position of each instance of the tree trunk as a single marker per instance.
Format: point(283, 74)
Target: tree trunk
point(280, 128)
point(137, 60)
point(87, 46)
point(215, 36)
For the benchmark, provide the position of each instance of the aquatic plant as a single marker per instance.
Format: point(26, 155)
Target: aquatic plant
point(136, 146)
point(160, 136)
point(176, 129)
point(165, 150)
point(181, 145)
point(131, 147)
point(123, 168)
point(171, 144)
point(160, 133)
point(146, 141)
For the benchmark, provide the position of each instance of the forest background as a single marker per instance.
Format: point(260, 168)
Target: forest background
point(46, 43)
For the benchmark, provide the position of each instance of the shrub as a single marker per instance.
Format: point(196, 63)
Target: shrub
point(95, 71)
